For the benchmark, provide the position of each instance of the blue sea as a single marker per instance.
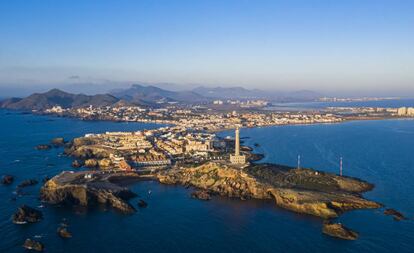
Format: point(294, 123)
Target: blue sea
point(381, 152)
point(309, 106)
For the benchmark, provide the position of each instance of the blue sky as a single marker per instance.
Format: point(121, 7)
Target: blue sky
point(331, 46)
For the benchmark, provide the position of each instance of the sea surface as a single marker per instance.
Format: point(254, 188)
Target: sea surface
point(381, 152)
point(309, 106)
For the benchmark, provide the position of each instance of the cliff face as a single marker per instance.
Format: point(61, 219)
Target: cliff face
point(220, 179)
point(304, 191)
point(77, 188)
point(85, 148)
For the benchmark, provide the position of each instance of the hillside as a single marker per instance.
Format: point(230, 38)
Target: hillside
point(56, 97)
point(151, 94)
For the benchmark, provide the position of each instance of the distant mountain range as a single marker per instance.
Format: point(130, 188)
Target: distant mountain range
point(242, 93)
point(140, 94)
point(148, 96)
point(56, 97)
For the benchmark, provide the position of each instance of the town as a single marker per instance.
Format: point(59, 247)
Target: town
point(210, 118)
point(156, 149)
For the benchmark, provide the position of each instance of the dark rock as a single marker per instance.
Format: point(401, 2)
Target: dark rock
point(339, 231)
point(58, 142)
point(26, 214)
point(7, 179)
point(255, 157)
point(63, 232)
point(142, 203)
point(201, 194)
point(45, 179)
point(77, 164)
point(43, 147)
point(28, 182)
point(33, 245)
point(397, 215)
point(257, 145)
point(246, 148)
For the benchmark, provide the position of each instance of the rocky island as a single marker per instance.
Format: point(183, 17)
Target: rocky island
point(26, 214)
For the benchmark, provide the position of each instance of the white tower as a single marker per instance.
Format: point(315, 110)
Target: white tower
point(237, 142)
point(237, 158)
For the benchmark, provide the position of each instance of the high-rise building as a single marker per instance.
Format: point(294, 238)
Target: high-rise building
point(410, 111)
point(402, 111)
point(237, 158)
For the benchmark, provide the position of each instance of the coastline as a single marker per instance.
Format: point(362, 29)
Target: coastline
point(175, 123)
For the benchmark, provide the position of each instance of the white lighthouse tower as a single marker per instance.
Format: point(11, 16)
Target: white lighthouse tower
point(237, 158)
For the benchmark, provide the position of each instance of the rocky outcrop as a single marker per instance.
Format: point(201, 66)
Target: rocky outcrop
point(86, 148)
point(339, 231)
point(142, 204)
point(58, 142)
point(87, 188)
point(63, 232)
point(321, 204)
point(26, 214)
point(303, 191)
point(43, 147)
point(28, 182)
point(91, 163)
point(200, 194)
point(7, 180)
point(77, 164)
point(397, 215)
point(33, 245)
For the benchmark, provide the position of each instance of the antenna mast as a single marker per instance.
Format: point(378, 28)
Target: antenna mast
point(298, 161)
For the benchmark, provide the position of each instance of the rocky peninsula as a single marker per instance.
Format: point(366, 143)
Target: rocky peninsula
point(303, 191)
point(111, 158)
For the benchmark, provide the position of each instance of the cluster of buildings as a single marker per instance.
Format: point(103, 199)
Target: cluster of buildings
point(198, 118)
point(243, 104)
point(406, 111)
point(162, 147)
point(374, 111)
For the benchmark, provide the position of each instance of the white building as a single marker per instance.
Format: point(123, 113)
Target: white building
point(237, 158)
point(402, 111)
point(410, 111)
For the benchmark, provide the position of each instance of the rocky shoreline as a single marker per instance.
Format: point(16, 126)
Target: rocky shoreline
point(303, 191)
point(87, 188)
